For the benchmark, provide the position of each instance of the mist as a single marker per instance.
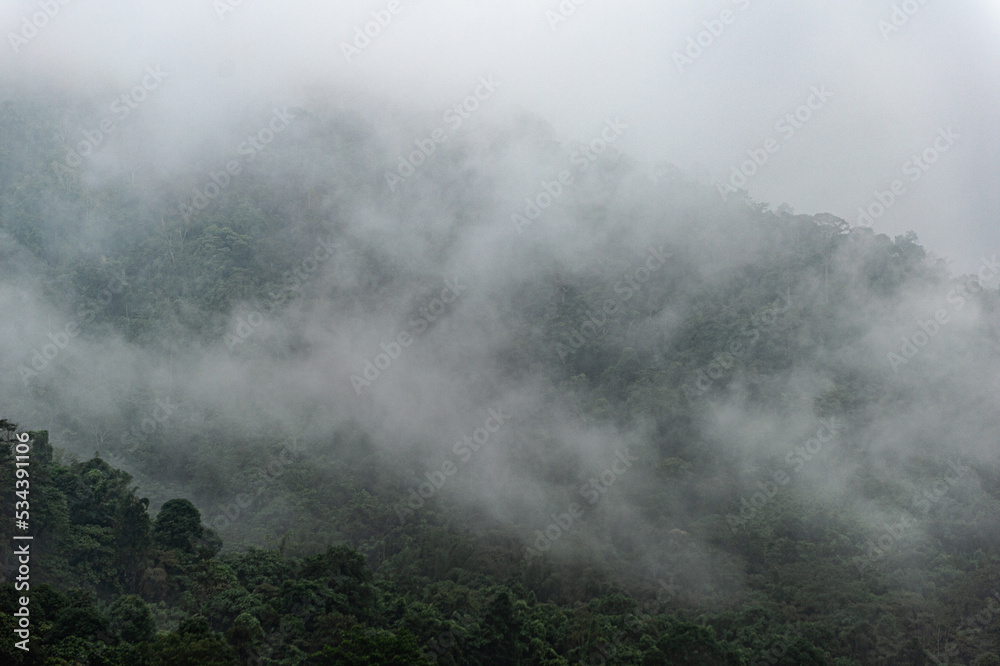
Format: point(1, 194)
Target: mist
point(540, 268)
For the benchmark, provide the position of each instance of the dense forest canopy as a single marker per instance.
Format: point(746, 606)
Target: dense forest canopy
point(691, 431)
point(297, 371)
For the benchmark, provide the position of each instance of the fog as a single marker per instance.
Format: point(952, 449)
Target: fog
point(892, 88)
point(405, 298)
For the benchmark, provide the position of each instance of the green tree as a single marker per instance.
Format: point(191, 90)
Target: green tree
point(131, 619)
point(363, 647)
point(178, 526)
point(246, 636)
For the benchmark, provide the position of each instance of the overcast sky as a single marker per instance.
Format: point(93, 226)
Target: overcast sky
point(892, 87)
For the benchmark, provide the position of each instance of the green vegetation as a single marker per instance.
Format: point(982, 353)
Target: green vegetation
point(290, 548)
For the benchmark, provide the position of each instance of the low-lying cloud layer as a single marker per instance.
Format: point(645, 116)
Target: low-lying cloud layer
point(447, 181)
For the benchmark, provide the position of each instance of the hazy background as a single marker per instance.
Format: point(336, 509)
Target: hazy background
point(890, 93)
point(225, 75)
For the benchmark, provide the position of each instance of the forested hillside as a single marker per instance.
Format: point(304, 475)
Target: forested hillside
point(319, 420)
